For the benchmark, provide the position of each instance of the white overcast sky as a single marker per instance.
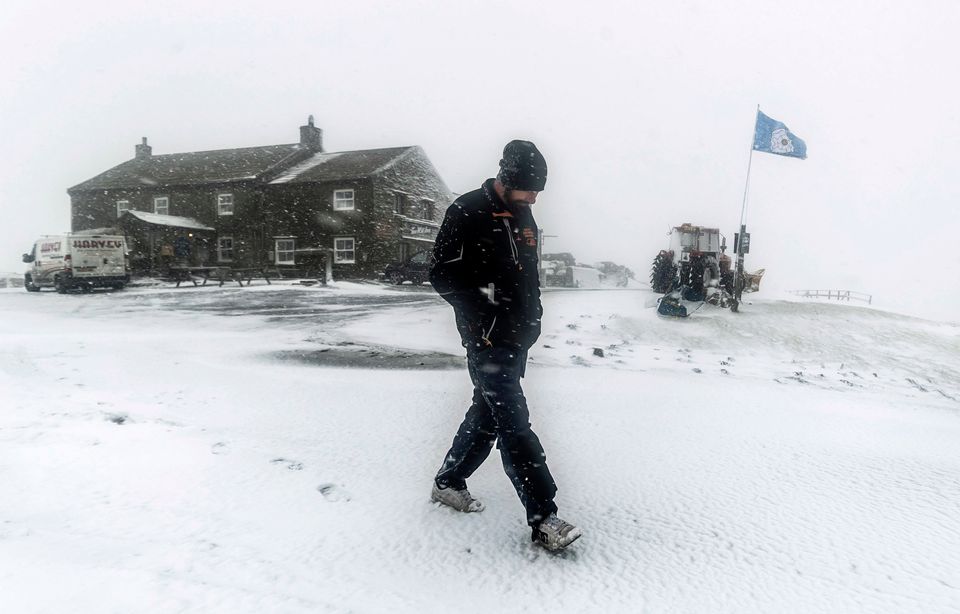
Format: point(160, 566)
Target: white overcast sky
point(644, 111)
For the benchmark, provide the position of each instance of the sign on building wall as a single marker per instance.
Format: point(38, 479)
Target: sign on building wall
point(420, 230)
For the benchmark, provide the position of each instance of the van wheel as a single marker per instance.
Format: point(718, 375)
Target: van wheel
point(28, 284)
point(59, 286)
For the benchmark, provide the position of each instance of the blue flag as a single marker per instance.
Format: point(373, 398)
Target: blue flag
point(773, 137)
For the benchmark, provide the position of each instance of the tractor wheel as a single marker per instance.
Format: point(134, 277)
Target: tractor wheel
point(59, 286)
point(663, 272)
point(28, 284)
point(692, 279)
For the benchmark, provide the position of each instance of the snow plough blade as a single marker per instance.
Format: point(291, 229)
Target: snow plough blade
point(671, 307)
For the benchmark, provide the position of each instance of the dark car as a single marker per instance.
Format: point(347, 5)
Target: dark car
point(416, 269)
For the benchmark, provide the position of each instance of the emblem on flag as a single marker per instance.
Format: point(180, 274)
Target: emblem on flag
point(774, 137)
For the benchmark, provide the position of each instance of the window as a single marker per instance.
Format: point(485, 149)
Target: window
point(399, 203)
point(225, 249)
point(284, 251)
point(343, 251)
point(122, 205)
point(428, 209)
point(161, 205)
point(224, 204)
point(342, 200)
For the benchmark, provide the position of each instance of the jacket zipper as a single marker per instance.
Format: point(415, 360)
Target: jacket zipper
point(513, 246)
point(486, 335)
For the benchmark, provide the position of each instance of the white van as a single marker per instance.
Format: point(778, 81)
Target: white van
point(71, 261)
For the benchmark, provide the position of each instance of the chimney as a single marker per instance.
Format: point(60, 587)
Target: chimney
point(143, 150)
point(311, 137)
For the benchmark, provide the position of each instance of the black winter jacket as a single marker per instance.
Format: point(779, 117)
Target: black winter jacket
point(486, 267)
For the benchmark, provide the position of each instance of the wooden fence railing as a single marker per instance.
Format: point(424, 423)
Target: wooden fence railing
point(840, 295)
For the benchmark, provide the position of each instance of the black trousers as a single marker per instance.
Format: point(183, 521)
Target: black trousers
point(499, 413)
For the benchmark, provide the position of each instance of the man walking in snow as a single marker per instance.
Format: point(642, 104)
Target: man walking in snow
point(486, 268)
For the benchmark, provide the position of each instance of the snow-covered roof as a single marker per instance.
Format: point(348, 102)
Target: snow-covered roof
point(283, 163)
point(310, 163)
point(194, 168)
point(174, 221)
point(109, 230)
point(336, 166)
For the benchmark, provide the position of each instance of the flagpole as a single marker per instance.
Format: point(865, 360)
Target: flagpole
point(738, 270)
point(746, 187)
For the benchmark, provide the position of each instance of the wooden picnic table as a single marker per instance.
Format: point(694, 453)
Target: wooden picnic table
point(191, 273)
point(221, 274)
point(243, 275)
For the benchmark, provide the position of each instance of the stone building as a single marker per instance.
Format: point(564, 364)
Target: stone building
point(285, 206)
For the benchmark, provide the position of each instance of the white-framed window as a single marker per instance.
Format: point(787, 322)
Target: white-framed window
point(344, 251)
point(343, 200)
point(225, 249)
point(399, 203)
point(224, 204)
point(284, 251)
point(161, 205)
point(122, 205)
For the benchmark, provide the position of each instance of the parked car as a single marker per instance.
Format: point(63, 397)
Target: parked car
point(415, 269)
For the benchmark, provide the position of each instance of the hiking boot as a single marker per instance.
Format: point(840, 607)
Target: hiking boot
point(555, 534)
point(460, 500)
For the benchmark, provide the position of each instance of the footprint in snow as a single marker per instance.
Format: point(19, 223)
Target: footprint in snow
point(117, 418)
point(219, 448)
point(292, 465)
point(333, 492)
point(533, 552)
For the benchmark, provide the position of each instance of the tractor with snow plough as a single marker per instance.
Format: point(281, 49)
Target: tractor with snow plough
point(696, 269)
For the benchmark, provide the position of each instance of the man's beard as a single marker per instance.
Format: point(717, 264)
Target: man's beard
point(515, 202)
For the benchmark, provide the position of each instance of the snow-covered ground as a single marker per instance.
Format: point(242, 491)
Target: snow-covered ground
point(270, 449)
